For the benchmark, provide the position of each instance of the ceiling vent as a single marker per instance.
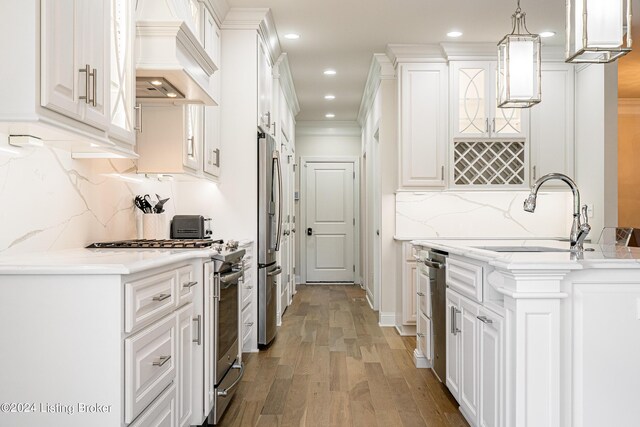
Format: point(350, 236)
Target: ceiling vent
point(168, 52)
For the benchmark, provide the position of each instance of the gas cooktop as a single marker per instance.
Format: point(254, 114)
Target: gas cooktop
point(157, 244)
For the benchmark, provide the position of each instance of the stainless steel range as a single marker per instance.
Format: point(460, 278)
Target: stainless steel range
point(217, 318)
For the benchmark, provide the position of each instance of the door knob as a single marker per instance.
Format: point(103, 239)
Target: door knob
point(309, 231)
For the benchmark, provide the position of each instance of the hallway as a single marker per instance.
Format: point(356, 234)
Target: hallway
point(331, 364)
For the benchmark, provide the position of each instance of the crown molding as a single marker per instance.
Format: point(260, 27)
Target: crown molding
point(380, 69)
point(323, 128)
point(282, 72)
point(218, 9)
point(415, 53)
point(470, 51)
point(257, 19)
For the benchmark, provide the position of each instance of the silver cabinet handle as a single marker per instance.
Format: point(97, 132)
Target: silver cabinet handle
point(420, 335)
point(454, 326)
point(87, 85)
point(161, 297)
point(94, 76)
point(225, 392)
point(162, 360)
point(433, 264)
point(534, 172)
point(198, 320)
point(139, 117)
point(249, 324)
point(189, 284)
point(494, 125)
point(217, 151)
point(484, 319)
point(248, 287)
point(442, 172)
point(420, 294)
point(190, 147)
point(486, 125)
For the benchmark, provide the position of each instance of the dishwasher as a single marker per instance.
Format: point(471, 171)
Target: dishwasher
point(436, 262)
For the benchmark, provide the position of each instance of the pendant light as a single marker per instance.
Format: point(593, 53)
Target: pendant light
point(596, 30)
point(519, 65)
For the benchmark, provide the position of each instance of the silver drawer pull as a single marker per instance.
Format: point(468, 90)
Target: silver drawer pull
point(484, 319)
point(197, 340)
point(161, 297)
point(189, 284)
point(420, 294)
point(420, 335)
point(162, 360)
point(248, 287)
point(248, 324)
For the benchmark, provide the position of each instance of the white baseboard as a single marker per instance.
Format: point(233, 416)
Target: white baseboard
point(387, 319)
point(369, 301)
point(419, 360)
point(406, 330)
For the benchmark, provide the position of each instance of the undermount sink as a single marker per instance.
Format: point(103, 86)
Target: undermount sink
point(521, 249)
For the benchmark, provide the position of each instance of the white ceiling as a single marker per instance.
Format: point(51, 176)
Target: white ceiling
point(344, 34)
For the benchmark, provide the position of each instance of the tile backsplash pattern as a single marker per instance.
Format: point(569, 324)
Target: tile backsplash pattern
point(51, 201)
point(481, 214)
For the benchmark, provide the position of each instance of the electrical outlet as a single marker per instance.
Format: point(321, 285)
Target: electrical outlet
point(590, 210)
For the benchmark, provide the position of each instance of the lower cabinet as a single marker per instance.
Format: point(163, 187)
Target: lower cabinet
point(475, 360)
point(185, 321)
point(409, 290)
point(161, 412)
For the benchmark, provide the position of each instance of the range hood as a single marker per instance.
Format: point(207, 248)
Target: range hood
point(168, 51)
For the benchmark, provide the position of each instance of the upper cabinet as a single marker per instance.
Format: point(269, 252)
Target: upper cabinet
point(474, 112)
point(265, 89)
point(212, 134)
point(423, 124)
point(552, 138)
point(75, 59)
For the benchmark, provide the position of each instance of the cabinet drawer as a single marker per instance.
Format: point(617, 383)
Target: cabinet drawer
point(187, 283)
point(161, 412)
point(465, 278)
point(247, 327)
point(148, 299)
point(149, 365)
point(247, 293)
point(424, 291)
point(425, 336)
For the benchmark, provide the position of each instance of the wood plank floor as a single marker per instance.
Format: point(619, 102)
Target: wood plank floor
point(331, 364)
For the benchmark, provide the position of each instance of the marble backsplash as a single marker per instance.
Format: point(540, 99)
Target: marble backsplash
point(50, 201)
point(481, 214)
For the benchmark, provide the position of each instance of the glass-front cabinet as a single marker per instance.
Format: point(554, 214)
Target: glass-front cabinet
point(475, 113)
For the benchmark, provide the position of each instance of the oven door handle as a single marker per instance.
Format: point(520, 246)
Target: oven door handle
point(225, 392)
point(230, 277)
point(275, 272)
point(433, 264)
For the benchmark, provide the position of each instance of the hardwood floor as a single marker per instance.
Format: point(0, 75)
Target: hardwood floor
point(331, 364)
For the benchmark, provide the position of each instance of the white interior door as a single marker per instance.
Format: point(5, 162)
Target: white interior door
point(330, 222)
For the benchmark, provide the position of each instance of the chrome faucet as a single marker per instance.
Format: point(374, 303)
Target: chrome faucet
point(579, 231)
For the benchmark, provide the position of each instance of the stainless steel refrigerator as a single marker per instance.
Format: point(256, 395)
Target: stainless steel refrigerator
point(269, 234)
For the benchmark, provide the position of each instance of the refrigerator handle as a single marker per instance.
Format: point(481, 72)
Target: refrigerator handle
point(276, 157)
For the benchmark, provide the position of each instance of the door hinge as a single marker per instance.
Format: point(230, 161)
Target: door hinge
point(354, 268)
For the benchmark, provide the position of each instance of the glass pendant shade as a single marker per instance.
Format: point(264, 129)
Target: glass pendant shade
point(519, 66)
point(596, 30)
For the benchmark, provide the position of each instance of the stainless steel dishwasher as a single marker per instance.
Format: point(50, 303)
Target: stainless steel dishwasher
point(436, 262)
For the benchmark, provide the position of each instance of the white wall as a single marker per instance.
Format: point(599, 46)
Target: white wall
point(321, 139)
point(51, 202)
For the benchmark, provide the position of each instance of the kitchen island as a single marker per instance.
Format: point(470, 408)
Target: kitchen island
point(538, 335)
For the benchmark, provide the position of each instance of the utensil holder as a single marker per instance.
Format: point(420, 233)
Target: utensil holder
point(155, 227)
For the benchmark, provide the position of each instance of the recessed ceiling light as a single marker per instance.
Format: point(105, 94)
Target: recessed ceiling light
point(171, 95)
point(547, 34)
point(329, 115)
point(292, 36)
point(329, 72)
point(156, 82)
point(454, 34)
point(329, 97)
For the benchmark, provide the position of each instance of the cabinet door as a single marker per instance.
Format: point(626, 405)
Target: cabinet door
point(265, 84)
point(122, 73)
point(193, 137)
point(469, 358)
point(453, 344)
point(552, 139)
point(410, 294)
point(185, 368)
point(423, 124)
point(424, 291)
point(61, 82)
point(491, 369)
point(470, 99)
point(212, 141)
point(425, 338)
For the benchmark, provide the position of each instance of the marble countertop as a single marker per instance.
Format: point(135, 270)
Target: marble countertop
point(98, 261)
point(598, 257)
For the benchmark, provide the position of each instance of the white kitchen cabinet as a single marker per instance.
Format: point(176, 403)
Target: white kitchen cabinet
point(453, 343)
point(409, 291)
point(552, 124)
point(75, 59)
point(247, 334)
point(474, 109)
point(423, 124)
point(491, 369)
point(174, 147)
point(469, 358)
point(212, 135)
point(184, 354)
point(265, 89)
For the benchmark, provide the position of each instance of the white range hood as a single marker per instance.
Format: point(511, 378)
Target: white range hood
point(168, 49)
